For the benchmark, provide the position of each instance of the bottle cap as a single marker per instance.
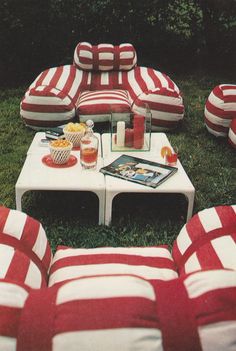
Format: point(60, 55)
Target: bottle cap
point(89, 123)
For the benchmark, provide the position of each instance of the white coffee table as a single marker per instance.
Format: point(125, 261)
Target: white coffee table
point(37, 176)
point(178, 183)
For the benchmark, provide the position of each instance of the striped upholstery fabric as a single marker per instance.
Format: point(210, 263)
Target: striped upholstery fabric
point(128, 313)
point(98, 105)
point(105, 57)
point(207, 241)
point(151, 263)
point(25, 254)
point(220, 109)
point(232, 133)
point(50, 100)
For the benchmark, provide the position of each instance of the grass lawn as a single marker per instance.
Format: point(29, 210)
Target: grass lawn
point(71, 218)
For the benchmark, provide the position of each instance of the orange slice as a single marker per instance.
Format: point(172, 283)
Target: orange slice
point(166, 151)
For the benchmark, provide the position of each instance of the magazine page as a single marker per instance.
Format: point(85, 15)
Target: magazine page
point(139, 170)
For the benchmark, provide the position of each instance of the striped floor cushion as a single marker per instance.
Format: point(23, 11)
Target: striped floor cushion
point(25, 254)
point(232, 133)
point(151, 263)
point(195, 312)
point(207, 241)
point(98, 105)
point(220, 109)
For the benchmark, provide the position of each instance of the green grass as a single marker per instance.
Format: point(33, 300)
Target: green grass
point(70, 218)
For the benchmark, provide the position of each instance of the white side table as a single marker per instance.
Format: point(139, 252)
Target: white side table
point(178, 183)
point(37, 176)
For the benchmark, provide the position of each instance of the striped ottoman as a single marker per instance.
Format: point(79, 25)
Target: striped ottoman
point(25, 253)
point(207, 241)
point(195, 312)
point(98, 105)
point(220, 109)
point(151, 263)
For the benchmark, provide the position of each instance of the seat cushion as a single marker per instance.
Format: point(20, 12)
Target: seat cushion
point(152, 263)
point(207, 241)
point(98, 105)
point(105, 57)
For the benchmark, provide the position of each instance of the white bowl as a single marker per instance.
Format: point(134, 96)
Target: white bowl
point(74, 137)
point(60, 155)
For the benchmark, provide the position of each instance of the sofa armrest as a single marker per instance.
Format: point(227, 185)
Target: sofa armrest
point(51, 98)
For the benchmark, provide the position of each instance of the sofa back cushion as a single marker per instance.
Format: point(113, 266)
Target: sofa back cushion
point(105, 57)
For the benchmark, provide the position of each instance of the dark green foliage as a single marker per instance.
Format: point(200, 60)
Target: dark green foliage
point(172, 34)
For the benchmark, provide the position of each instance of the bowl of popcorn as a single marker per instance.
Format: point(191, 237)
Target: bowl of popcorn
point(60, 150)
point(74, 132)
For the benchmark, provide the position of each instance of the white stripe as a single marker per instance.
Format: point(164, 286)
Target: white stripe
point(76, 83)
point(216, 101)
point(63, 78)
point(225, 248)
point(192, 264)
point(145, 272)
point(217, 120)
point(49, 76)
point(209, 219)
point(183, 240)
point(133, 83)
point(33, 277)
point(105, 287)
point(6, 256)
point(40, 244)
point(102, 101)
point(104, 76)
point(220, 336)
point(147, 79)
point(125, 339)
point(15, 223)
point(12, 295)
point(199, 283)
point(137, 251)
point(230, 106)
point(7, 343)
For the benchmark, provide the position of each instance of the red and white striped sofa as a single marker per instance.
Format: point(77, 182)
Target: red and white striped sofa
point(102, 78)
point(220, 112)
point(121, 298)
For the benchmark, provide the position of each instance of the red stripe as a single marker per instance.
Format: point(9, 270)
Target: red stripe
point(46, 108)
point(216, 111)
point(106, 313)
point(18, 245)
point(215, 306)
point(154, 77)
point(68, 84)
point(229, 230)
point(227, 215)
point(56, 77)
point(170, 82)
point(30, 231)
point(159, 106)
point(217, 91)
point(232, 143)
point(9, 321)
point(19, 267)
point(36, 327)
point(129, 260)
point(177, 319)
point(216, 127)
point(4, 212)
point(97, 109)
point(41, 77)
point(43, 124)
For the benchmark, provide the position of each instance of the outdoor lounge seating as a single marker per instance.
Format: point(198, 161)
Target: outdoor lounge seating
point(120, 298)
point(220, 112)
point(102, 79)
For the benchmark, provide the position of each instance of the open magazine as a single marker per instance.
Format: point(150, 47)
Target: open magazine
point(138, 170)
